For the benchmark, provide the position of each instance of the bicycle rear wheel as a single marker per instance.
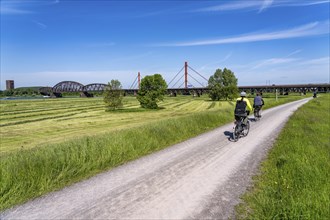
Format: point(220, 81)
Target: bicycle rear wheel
point(246, 129)
point(236, 133)
point(256, 114)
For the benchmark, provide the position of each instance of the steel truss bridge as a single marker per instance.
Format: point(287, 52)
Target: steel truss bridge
point(175, 86)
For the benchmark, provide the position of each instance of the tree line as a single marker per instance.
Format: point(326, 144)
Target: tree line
point(24, 91)
point(222, 85)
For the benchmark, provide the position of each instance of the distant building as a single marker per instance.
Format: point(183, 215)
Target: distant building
point(10, 84)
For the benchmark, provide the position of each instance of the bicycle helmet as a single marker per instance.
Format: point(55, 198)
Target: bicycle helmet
point(243, 94)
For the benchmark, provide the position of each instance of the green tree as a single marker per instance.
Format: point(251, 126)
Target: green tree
point(9, 92)
point(152, 90)
point(113, 95)
point(222, 85)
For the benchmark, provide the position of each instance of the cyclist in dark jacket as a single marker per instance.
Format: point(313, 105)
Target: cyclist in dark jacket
point(257, 104)
point(242, 108)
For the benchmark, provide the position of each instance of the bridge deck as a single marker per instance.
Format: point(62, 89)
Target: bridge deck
point(69, 86)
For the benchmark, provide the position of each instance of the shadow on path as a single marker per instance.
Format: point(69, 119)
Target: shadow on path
point(229, 135)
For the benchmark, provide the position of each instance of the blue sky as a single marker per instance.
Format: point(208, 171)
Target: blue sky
point(262, 42)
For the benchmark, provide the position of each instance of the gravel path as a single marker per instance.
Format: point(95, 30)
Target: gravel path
point(201, 178)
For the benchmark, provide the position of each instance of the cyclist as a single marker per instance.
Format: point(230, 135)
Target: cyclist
point(240, 108)
point(257, 104)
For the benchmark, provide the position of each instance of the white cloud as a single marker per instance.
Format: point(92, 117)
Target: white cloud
point(41, 25)
point(284, 71)
point(234, 5)
point(311, 29)
point(259, 5)
point(276, 61)
point(4, 10)
point(294, 52)
point(294, 3)
point(213, 64)
point(21, 7)
point(265, 4)
point(273, 61)
point(318, 61)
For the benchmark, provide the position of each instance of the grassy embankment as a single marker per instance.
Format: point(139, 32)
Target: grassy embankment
point(67, 140)
point(294, 180)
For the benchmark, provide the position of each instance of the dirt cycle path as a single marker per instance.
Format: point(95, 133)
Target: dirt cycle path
point(200, 178)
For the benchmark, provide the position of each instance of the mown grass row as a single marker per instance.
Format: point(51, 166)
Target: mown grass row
point(294, 180)
point(13, 115)
point(19, 106)
point(43, 107)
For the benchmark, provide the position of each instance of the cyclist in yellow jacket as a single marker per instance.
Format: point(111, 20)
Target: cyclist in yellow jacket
point(240, 108)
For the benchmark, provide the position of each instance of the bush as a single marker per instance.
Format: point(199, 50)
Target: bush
point(113, 95)
point(152, 90)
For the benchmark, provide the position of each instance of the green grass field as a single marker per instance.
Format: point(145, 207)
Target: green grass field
point(294, 180)
point(31, 123)
point(49, 144)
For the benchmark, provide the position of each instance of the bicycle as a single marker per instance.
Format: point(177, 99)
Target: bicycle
point(240, 129)
point(256, 112)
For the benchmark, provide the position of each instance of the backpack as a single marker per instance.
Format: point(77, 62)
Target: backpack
point(240, 107)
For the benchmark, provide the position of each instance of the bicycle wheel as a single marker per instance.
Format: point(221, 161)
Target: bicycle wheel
point(236, 133)
point(246, 129)
point(256, 118)
point(256, 115)
point(259, 115)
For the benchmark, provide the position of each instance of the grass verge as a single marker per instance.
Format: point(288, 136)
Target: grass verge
point(294, 180)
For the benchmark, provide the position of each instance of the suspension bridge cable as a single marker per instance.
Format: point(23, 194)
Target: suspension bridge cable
point(196, 80)
point(178, 81)
point(133, 84)
point(176, 76)
point(198, 73)
point(181, 85)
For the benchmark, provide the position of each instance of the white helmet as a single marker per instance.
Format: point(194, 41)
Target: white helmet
point(243, 94)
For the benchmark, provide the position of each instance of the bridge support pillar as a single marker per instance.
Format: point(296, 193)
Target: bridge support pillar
point(139, 80)
point(185, 75)
point(85, 94)
point(57, 94)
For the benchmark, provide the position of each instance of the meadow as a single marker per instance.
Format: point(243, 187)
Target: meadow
point(51, 143)
point(30, 123)
point(294, 180)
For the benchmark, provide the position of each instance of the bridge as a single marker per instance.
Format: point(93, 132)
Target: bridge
point(180, 84)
